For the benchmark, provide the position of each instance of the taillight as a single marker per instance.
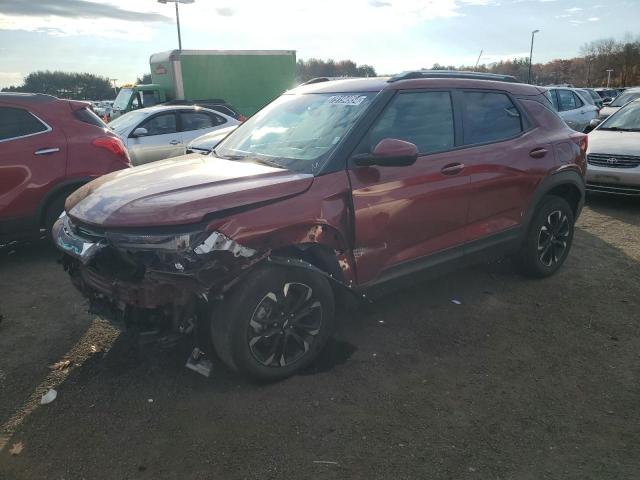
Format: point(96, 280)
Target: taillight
point(114, 145)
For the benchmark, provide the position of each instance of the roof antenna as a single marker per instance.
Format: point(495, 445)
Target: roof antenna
point(478, 61)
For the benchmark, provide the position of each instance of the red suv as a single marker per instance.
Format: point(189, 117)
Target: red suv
point(335, 188)
point(48, 148)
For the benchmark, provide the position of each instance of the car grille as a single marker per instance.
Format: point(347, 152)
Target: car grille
point(86, 232)
point(613, 161)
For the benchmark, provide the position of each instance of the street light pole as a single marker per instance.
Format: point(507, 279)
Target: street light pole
point(531, 52)
point(177, 16)
point(609, 76)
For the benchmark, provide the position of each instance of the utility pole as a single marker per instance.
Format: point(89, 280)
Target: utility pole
point(531, 52)
point(478, 61)
point(609, 76)
point(589, 59)
point(115, 88)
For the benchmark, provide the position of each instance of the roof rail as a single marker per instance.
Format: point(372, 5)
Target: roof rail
point(315, 80)
point(412, 74)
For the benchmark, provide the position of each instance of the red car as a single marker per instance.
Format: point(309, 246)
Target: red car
point(48, 148)
point(337, 188)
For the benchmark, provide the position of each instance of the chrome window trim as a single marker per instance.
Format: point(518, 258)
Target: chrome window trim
point(30, 134)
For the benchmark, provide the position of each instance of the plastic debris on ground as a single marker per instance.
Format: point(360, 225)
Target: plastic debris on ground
point(60, 365)
point(48, 397)
point(199, 363)
point(457, 302)
point(16, 448)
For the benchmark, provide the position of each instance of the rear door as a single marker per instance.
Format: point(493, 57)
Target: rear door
point(405, 214)
point(194, 124)
point(503, 149)
point(572, 109)
point(163, 140)
point(32, 158)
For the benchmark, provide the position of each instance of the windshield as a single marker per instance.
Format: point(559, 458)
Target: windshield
point(627, 118)
point(126, 121)
point(297, 132)
point(122, 100)
point(624, 99)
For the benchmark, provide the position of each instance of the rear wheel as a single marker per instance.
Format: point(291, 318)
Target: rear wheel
point(274, 323)
point(549, 239)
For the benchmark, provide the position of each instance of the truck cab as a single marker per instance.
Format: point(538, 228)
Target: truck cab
point(132, 97)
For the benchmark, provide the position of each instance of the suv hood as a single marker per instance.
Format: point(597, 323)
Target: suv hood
point(180, 191)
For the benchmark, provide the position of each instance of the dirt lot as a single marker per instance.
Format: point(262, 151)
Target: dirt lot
point(524, 380)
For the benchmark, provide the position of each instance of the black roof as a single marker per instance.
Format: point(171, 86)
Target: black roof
point(413, 74)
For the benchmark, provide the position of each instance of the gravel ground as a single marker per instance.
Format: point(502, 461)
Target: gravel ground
point(524, 379)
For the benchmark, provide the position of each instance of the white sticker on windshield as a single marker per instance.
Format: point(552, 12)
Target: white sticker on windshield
point(346, 99)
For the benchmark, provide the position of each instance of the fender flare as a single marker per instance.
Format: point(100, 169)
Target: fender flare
point(559, 179)
point(65, 186)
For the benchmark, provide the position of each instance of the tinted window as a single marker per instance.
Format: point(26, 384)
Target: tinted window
point(422, 118)
point(567, 100)
point(161, 124)
point(200, 120)
point(87, 116)
point(489, 117)
point(16, 122)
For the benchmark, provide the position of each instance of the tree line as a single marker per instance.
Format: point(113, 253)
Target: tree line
point(314, 67)
point(75, 86)
point(587, 70)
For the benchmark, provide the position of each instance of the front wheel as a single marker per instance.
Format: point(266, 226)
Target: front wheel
point(274, 323)
point(548, 240)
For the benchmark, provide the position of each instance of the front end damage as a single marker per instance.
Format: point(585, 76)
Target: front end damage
point(156, 284)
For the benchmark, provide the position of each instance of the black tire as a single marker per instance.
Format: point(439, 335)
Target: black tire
point(548, 240)
point(259, 313)
point(53, 211)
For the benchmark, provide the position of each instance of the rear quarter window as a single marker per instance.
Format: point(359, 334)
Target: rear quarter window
point(87, 116)
point(17, 122)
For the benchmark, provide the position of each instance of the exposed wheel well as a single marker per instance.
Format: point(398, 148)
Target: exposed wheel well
point(570, 193)
point(316, 254)
point(53, 196)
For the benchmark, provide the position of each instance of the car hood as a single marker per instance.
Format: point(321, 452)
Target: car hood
point(606, 111)
point(208, 141)
point(614, 143)
point(179, 191)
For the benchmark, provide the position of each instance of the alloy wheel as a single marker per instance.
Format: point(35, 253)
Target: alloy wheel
point(553, 238)
point(284, 325)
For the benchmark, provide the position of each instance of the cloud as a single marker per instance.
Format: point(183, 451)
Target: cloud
point(593, 19)
point(225, 12)
point(10, 78)
point(379, 3)
point(76, 9)
point(573, 9)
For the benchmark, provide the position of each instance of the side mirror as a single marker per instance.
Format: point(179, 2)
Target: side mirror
point(592, 124)
point(607, 100)
point(389, 152)
point(140, 132)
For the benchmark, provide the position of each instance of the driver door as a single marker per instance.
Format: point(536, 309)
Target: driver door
point(405, 214)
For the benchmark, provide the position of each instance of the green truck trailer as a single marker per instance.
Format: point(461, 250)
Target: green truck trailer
point(245, 79)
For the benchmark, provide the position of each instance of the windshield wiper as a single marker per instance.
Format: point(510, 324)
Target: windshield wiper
point(228, 157)
point(262, 161)
point(620, 129)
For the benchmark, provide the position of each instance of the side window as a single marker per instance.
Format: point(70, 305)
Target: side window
point(578, 100)
point(16, 122)
point(489, 117)
point(568, 100)
point(161, 124)
point(553, 98)
point(198, 120)
point(422, 118)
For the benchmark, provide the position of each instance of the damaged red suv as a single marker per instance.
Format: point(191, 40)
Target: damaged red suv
point(335, 188)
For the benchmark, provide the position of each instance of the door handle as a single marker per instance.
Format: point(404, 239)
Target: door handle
point(174, 142)
point(46, 151)
point(452, 169)
point(538, 152)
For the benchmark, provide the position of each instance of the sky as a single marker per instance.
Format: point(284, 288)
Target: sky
point(115, 38)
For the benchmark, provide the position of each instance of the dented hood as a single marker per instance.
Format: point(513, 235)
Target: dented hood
point(180, 191)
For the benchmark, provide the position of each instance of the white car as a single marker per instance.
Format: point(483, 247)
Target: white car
point(621, 100)
point(613, 154)
point(160, 132)
point(573, 107)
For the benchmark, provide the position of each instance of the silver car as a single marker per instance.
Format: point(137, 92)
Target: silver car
point(613, 153)
point(573, 106)
point(160, 132)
